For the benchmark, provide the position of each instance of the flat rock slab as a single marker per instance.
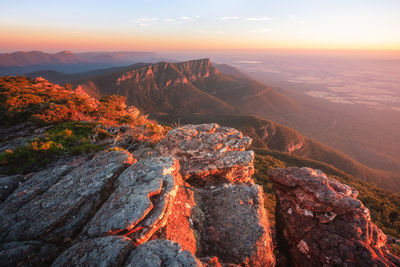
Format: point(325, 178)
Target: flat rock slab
point(141, 203)
point(27, 253)
point(35, 185)
point(107, 251)
point(161, 253)
point(320, 222)
point(208, 151)
point(60, 211)
point(236, 228)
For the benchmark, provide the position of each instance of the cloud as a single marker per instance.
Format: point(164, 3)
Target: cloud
point(144, 21)
point(293, 17)
point(258, 19)
point(229, 18)
point(220, 32)
point(169, 20)
point(186, 18)
point(262, 30)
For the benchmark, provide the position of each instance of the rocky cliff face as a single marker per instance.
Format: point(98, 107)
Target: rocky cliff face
point(191, 202)
point(165, 74)
point(320, 222)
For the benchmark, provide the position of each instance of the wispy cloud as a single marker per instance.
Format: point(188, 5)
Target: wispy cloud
point(169, 20)
point(258, 19)
point(262, 30)
point(156, 20)
point(229, 18)
point(187, 18)
point(220, 32)
point(293, 17)
point(144, 21)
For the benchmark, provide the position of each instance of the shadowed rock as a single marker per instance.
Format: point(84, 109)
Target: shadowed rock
point(36, 185)
point(161, 253)
point(27, 253)
point(319, 222)
point(103, 251)
point(8, 184)
point(209, 152)
point(236, 228)
point(60, 211)
point(142, 201)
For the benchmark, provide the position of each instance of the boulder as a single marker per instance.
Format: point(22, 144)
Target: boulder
point(107, 251)
point(320, 222)
point(27, 253)
point(235, 227)
point(209, 153)
point(161, 253)
point(60, 211)
point(142, 201)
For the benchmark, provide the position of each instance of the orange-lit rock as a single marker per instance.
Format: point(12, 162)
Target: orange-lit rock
point(320, 222)
point(142, 201)
point(209, 153)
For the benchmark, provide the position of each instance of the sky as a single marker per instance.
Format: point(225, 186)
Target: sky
point(178, 25)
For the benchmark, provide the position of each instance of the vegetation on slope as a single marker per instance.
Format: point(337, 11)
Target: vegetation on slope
point(78, 123)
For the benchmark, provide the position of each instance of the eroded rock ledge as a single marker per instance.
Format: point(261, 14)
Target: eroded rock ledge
point(191, 202)
point(320, 222)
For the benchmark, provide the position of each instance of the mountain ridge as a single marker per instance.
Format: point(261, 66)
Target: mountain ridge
point(197, 87)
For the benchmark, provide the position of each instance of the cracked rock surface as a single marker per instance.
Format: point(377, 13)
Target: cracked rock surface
point(209, 151)
point(142, 201)
point(58, 212)
point(161, 253)
point(102, 251)
point(190, 202)
point(320, 222)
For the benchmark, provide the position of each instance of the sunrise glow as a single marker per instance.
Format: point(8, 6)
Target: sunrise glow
point(203, 25)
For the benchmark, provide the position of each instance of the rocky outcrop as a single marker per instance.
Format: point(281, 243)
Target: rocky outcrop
point(235, 227)
point(320, 222)
point(223, 214)
point(142, 201)
point(190, 202)
point(178, 73)
point(61, 210)
point(209, 151)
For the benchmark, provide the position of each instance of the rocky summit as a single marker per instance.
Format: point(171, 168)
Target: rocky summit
point(320, 222)
point(188, 201)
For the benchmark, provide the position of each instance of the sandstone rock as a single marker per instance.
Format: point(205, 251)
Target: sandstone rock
point(142, 201)
point(60, 211)
point(27, 253)
point(236, 228)
point(161, 253)
point(209, 152)
point(320, 222)
point(179, 227)
point(35, 185)
point(103, 251)
point(8, 184)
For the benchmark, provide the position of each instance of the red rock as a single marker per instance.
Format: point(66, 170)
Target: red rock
point(320, 222)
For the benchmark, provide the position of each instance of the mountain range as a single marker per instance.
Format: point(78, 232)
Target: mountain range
point(23, 61)
point(198, 91)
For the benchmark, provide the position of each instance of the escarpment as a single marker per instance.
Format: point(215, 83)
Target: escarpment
point(189, 202)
